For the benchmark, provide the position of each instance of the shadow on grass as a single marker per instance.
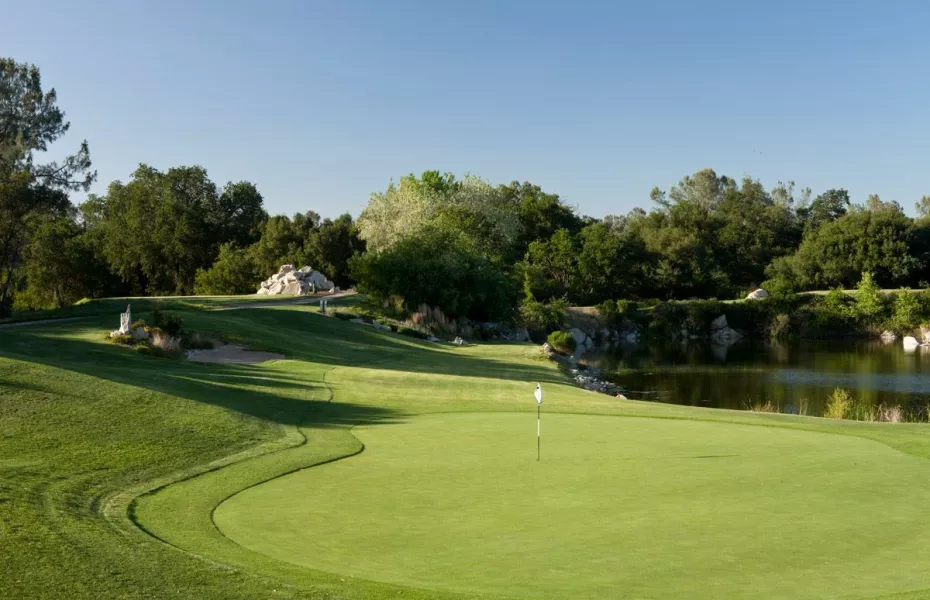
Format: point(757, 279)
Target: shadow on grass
point(253, 390)
point(245, 389)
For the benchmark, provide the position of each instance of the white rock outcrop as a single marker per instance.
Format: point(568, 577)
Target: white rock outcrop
point(124, 320)
point(757, 294)
point(910, 343)
point(300, 282)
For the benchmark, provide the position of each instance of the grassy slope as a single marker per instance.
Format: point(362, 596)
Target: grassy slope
point(82, 421)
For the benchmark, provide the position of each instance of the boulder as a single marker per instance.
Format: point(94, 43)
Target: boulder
point(547, 348)
point(888, 336)
point(458, 341)
point(579, 336)
point(291, 288)
point(719, 323)
point(432, 338)
point(757, 294)
point(139, 333)
point(290, 282)
point(910, 343)
point(521, 335)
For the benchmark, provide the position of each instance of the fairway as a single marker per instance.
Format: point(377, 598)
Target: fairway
point(618, 507)
point(370, 465)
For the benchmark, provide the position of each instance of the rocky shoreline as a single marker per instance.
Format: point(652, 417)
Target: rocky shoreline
point(587, 378)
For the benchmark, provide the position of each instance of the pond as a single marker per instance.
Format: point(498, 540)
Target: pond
point(795, 378)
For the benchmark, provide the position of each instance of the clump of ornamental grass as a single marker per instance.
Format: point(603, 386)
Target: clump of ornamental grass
point(763, 407)
point(434, 321)
point(167, 345)
point(890, 414)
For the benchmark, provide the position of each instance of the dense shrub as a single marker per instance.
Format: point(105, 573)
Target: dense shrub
point(196, 341)
point(119, 339)
point(869, 304)
point(906, 313)
point(438, 270)
point(169, 322)
point(562, 342)
point(838, 404)
point(544, 316)
point(235, 271)
point(412, 333)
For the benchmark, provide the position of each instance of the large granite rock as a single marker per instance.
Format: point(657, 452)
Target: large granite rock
point(295, 282)
point(758, 294)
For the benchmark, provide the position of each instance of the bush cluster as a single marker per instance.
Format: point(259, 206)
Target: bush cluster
point(562, 342)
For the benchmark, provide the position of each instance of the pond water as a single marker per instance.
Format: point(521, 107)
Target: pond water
point(790, 378)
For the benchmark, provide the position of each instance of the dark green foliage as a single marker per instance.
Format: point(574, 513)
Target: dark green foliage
point(441, 271)
point(169, 322)
point(416, 333)
point(562, 342)
point(234, 272)
point(118, 339)
point(329, 247)
point(196, 341)
point(31, 193)
point(838, 252)
point(544, 316)
point(826, 208)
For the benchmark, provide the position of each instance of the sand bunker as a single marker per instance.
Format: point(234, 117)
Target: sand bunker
point(231, 353)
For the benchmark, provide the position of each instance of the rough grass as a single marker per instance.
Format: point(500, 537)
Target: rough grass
point(96, 439)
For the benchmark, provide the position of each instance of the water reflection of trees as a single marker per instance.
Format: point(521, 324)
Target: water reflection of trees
point(787, 376)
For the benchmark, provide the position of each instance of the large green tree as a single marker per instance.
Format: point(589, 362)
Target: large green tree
point(30, 190)
point(158, 229)
point(329, 247)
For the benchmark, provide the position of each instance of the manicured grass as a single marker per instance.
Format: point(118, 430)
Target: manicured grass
point(109, 458)
point(655, 508)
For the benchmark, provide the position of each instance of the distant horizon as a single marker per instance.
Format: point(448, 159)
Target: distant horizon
point(321, 104)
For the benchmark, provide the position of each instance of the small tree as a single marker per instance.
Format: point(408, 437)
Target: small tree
point(868, 299)
point(906, 313)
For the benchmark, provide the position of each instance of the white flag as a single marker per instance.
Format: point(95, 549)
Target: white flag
point(538, 394)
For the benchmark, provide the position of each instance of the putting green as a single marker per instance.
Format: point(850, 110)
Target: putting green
point(618, 507)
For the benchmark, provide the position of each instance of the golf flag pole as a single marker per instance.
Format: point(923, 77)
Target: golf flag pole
point(538, 395)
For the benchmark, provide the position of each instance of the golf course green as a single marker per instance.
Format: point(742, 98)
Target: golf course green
point(371, 465)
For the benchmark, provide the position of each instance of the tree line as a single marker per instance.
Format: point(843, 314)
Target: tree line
point(466, 246)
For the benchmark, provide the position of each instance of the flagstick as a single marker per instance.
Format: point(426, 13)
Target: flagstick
point(538, 406)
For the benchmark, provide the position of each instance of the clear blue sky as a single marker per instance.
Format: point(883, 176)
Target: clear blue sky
point(321, 103)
